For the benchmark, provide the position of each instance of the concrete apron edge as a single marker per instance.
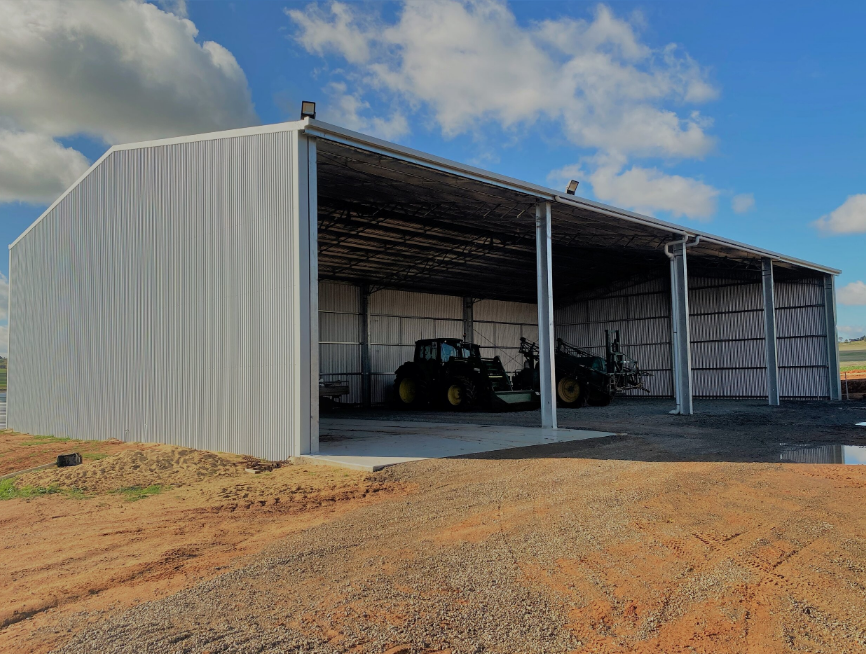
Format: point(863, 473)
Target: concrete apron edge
point(318, 460)
point(340, 462)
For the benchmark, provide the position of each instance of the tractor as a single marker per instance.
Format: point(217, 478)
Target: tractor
point(451, 373)
point(582, 377)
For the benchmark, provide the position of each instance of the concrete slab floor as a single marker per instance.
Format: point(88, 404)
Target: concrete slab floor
point(375, 444)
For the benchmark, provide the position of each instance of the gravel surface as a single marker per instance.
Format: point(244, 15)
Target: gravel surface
point(680, 536)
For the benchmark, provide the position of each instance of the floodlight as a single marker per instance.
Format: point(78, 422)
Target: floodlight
point(572, 187)
point(308, 109)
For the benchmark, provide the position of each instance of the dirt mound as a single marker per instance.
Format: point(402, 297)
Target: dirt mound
point(163, 465)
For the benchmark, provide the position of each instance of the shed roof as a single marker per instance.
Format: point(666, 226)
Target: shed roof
point(391, 216)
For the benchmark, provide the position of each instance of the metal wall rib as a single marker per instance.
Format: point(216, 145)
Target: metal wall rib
point(802, 339)
point(500, 325)
point(155, 302)
point(727, 338)
point(397, 320)
point(640, 309)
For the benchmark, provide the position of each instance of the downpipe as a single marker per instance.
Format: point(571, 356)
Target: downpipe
point(684, 241)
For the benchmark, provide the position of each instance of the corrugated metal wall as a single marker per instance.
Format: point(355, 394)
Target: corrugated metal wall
point(156, 303)
point(641, 311)
point(499, 326)
point(802, 339)
point(397, 320)
point(726, 323)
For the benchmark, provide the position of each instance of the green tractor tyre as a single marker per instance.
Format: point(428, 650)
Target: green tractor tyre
point(409, 391)
point(460, 393)
point(570, 392)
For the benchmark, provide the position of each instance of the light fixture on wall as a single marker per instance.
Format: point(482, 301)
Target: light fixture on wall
point(308, 109)
point(572, 187)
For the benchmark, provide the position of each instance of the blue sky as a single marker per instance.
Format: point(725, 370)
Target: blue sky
point(742, 119)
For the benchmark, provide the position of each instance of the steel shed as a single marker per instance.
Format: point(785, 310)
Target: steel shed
point(194, 290)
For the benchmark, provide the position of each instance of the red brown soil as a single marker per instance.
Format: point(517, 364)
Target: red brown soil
point(23, 451)
point(649, 556)
point(64, 555)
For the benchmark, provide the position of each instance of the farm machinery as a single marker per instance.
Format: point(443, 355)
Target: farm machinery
point(582, 377)
point(451, 373)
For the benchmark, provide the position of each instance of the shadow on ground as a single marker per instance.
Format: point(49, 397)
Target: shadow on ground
point(720, 430)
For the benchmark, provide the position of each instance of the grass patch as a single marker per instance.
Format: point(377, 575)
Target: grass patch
point(135, 493)
point(9, 491)
point(46, 440)
point(93, 456)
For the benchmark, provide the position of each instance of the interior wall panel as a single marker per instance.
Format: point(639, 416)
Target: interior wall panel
point(726, 325)
point(157, 301)
point(802, 339)
point(398, 319)
point(640, 310)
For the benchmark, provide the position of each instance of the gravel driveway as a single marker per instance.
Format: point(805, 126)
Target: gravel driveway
point(680, 536)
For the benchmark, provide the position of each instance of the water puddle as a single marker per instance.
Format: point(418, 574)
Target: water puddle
point(851, 455)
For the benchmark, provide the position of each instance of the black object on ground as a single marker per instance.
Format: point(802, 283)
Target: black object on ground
point(66, 460)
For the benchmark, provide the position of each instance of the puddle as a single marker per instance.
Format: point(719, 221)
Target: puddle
point(851, 455)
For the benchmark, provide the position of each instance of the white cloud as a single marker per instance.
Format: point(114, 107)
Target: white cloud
point(560, 177)
point(649, 190)
point(351, 112)
point(849, 218)
point(177, 7)
point(853, 294)
point(347, 33)
point(471, 62)
point(115, 70)
point(851, 331)
point(36, 168)
point(743, 202)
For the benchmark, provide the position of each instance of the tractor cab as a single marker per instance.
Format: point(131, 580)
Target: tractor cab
point(443, 350)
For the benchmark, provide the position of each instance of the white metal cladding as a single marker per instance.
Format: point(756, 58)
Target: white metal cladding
point(640, 310)
point(498, 327)
point(802, 339)
point(157, 301)
point(397, 320)
point(340, 336)
point(727, 338)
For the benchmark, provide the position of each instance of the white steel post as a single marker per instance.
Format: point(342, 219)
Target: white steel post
point(307, 441)
point(770, 333)
point(366, 391)
point(682, 363)
point(544, 272)
point(832, 337)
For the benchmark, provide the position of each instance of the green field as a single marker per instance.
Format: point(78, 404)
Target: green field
point(852, 356)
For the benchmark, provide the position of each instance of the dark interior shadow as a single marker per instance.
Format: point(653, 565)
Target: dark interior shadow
point(742, 431)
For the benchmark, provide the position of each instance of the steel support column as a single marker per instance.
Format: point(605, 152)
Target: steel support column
point(680, 341)
point(469, 319)
point(364, 338)
point(307, 438)
point(832, 337)
point(544, 273)
point(770, 333)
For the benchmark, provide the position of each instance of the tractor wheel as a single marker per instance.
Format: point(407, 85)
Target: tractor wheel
point(570, 392)
point(409, 392)
point(597, 398)
point(460, 394)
